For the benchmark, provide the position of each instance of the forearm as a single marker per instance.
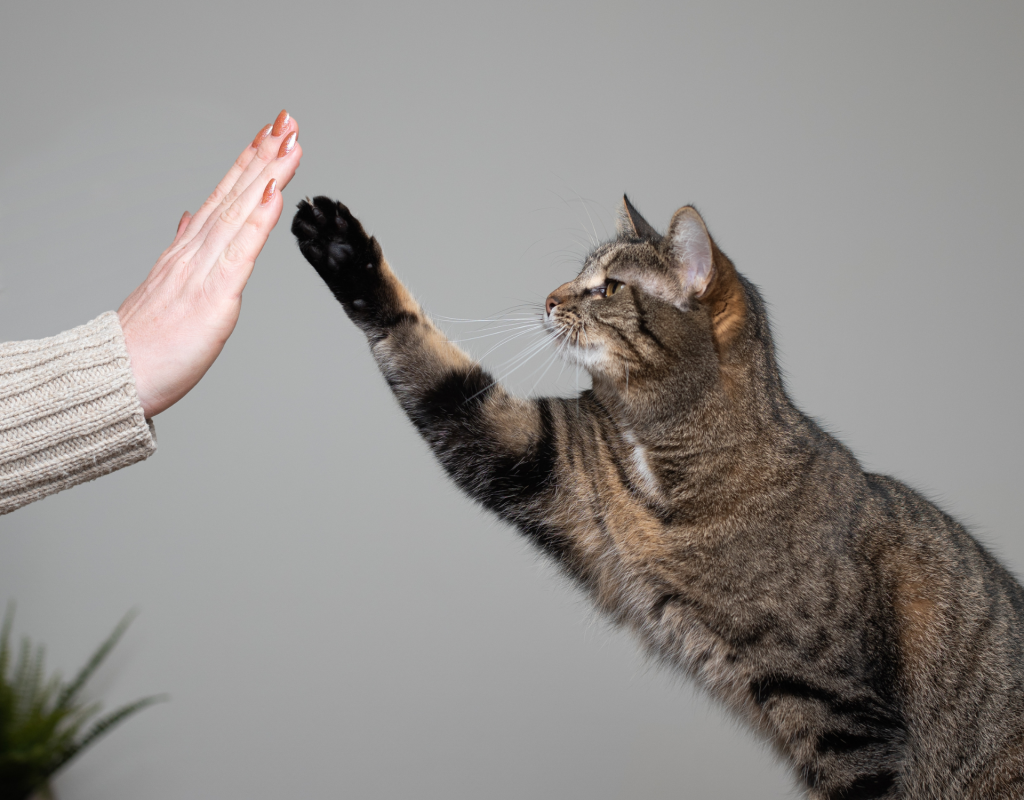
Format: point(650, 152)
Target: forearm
point(492, 443)
point(69, 412)
point(499, 449)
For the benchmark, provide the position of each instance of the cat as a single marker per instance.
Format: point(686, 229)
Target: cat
point(861, 630)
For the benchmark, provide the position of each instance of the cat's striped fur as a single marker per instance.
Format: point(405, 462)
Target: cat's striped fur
point(860, 629)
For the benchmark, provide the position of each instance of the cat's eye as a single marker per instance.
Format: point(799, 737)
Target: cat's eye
point(606, 289)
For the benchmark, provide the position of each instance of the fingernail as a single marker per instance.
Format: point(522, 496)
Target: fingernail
point(288, 144)
point(280, 122)
point(268, 193)
point(264, 132)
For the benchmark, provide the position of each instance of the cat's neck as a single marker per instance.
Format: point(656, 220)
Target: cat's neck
point(733, 403)
point(739, 410)
point(717, 436)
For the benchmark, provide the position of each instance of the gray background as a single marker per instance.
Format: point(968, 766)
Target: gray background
point(330, 617)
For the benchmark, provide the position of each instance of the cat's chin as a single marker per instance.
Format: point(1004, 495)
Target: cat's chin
point(593, 358)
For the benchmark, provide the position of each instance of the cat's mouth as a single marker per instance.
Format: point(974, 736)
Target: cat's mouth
point(575, 342)
point(567, 332)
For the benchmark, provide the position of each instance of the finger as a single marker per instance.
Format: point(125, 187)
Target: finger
point(264, 154)
point(236, 262)
point(225, 225)
point(181, 225)
point(284, 127)
point(229, 181)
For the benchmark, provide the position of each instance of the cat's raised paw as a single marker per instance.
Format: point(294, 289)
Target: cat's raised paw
point(338, 247)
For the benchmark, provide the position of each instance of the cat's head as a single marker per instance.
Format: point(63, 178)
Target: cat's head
point(646, 306)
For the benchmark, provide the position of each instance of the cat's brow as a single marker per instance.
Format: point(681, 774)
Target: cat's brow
point(599, 268)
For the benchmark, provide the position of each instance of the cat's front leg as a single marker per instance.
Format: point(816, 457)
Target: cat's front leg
point(501, 450)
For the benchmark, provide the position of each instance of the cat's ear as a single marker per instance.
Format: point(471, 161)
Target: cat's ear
point(631, 224)
point(691, 249)
point(707, 274)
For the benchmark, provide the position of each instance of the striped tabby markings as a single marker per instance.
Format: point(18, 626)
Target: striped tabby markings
point(425, 354)
point(1002, 779)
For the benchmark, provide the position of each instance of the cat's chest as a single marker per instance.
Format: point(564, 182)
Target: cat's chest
point(636, 461)
point(687, 603)
point(692, 590)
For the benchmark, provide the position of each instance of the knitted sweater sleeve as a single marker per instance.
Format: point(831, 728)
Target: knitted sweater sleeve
point(69, 412)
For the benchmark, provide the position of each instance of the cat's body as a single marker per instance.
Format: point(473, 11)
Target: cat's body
point(860, 629)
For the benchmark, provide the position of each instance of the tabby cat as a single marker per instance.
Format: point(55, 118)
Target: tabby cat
point(861, 630)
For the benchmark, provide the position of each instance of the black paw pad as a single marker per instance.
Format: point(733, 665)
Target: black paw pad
point(338, 247)
point(339, 251)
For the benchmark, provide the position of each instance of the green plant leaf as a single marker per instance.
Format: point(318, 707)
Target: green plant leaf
point(104, 724)
point(73, 688)
point(42, 718)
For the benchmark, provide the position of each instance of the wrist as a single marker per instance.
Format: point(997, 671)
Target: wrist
point(136, 360)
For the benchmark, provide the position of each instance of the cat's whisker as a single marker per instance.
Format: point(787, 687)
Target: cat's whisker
point(488, 335)
point(554, 357)
point(519, 361)
point(480, 334)
point(525, 307)
point(522, 359)
point(495, 330)
point(494, 320)
point(549, 338)
point(484, 336)
point(577, 390)
point(498, 327)
point(482, 325)
point(596, 240)
point(561, 352)
point(511, 338)
point(525, 301)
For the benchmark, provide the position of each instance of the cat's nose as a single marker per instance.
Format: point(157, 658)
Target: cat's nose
point(558, 296)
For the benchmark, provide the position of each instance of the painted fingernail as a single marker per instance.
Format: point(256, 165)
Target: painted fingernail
point(268, 193)
point(288, 144)
point(280, 122)
point(264, 132)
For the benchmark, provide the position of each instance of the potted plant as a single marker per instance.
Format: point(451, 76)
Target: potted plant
point(44, 722)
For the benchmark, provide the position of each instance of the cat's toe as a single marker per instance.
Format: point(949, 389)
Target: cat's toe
point(329, 236)
point(302, 229)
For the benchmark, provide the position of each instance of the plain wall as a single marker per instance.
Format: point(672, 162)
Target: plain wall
point(329, 615)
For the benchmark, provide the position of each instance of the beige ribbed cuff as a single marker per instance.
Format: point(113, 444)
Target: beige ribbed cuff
point(69, 412)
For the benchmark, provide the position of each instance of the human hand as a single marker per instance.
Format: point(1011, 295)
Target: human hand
point(176, 323)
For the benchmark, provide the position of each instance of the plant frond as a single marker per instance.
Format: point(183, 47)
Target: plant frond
point(104, 724)
point(42, 718)
point(73, 688)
